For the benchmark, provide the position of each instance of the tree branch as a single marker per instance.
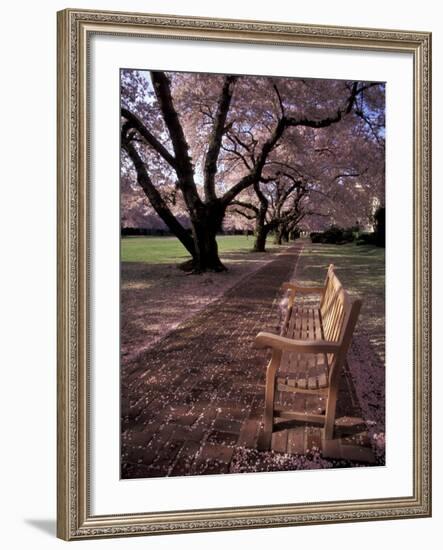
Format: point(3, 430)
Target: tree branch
point(360, 114)
point(285, 194)
point(339, 176)
point(132, 121)
point(215, 139)
point(247, 216)
point(183, 167)
point(156, 199)
point(246, 146)
point(271, 142)
point(245, 205)
point(280, 101)
point(261, 196)
point(255, 173)
point(236, 152)
point(309, 123)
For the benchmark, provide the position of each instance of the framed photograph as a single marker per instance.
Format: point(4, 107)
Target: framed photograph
point(243, 274)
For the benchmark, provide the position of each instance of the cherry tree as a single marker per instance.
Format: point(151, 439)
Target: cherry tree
point(208, 139)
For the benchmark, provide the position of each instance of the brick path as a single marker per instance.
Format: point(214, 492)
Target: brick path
point(196, 397)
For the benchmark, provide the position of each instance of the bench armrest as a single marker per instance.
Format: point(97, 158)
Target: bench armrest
point(295, 287)
point(269, 340)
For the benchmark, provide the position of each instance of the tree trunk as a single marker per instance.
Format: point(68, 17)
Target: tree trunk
point(260, 240)
point(205, 225)
point(278, 235)
point(261, 230)
point(261, 233)
point(206, 257)
point(277, 238)
point(281, 234)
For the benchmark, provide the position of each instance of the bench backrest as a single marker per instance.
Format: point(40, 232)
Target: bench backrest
point(339, 314)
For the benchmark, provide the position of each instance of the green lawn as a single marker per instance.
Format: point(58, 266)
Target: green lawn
point(165, 250)
point(361, 268)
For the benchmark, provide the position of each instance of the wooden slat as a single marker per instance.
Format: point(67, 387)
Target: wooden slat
point(280, 441)
point(338, 325)
point(300, 416)
point(322, 380)
point(296, 440)
point(332, 312)
point(318, 325)
point(315, 324)
point(284, 363)
point(328, 294)
point(295, 332)
point(292, 321)
point(326, 316)
point(313, 437)
point(312, 382)
point(305, 322)
point(284, 327)
point(310, 324)
point(304, 358)
point(284, 388)
point(332, 317)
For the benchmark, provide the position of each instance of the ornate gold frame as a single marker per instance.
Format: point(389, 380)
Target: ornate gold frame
point(74, 518)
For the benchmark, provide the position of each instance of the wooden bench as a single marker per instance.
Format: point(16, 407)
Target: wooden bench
point(309, 353)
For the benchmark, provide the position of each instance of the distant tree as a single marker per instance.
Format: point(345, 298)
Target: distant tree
point(278, 209)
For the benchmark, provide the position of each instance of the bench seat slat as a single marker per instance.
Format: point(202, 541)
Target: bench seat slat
point(303, 371)
point(310, 373)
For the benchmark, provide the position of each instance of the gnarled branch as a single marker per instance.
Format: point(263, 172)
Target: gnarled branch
point(132, 121)
point(215, 139)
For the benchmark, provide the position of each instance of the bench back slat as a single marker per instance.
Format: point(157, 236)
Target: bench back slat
point(332, 306)
point(352, 310)
point(339, 314)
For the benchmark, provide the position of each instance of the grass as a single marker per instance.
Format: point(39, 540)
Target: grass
point(360, 268)
point(166, 250)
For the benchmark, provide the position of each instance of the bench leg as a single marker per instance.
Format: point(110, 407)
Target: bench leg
point(264, 443)
point(330, 413)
